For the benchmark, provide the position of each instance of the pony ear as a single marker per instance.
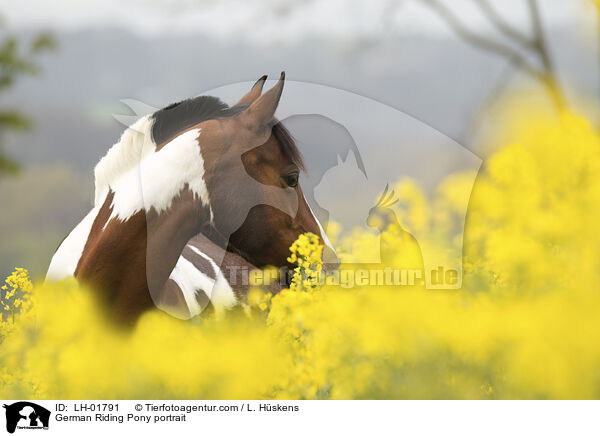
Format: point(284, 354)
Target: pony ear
point(254, 92)
point(261, 111)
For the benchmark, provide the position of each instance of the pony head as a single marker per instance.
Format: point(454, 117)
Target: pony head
point(252, 168)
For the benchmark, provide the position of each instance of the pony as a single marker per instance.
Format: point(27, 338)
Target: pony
point(187, 194)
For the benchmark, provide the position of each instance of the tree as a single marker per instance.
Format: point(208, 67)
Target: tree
point(17, 59)
point(526, 51)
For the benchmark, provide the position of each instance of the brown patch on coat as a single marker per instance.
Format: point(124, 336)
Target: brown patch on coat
point(127, 263)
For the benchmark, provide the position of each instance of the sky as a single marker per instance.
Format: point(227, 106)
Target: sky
point(282, 20)
point(162, 51)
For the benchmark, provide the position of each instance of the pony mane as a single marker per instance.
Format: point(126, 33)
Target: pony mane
point(287, 144)
point(177, 117)
point(143, 137)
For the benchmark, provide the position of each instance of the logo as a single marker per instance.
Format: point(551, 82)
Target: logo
point(26, 415)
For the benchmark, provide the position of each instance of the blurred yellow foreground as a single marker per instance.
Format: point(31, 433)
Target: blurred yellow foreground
point(525, 324)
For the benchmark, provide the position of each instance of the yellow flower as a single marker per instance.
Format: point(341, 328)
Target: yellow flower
point(514, 330)
point(306, 253)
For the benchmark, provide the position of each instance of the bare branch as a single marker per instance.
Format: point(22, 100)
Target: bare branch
point(480, 41)
point(548, 78)
point(502, 25)
point(538, 35)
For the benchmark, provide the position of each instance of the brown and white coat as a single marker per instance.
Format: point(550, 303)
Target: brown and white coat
point(187, 192)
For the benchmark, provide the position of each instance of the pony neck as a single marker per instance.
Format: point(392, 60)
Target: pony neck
point(167, 235)
point(149, 212)
point(127, 262)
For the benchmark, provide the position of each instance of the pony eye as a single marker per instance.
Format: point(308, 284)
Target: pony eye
point(291, 180)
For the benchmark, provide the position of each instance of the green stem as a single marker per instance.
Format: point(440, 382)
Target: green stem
point(13, 306)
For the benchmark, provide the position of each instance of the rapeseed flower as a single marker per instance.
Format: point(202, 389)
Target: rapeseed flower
point(524, 324)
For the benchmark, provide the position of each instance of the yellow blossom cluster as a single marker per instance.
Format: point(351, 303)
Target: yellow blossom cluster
point(306, 253)
point(14, 298)
point(524, 324)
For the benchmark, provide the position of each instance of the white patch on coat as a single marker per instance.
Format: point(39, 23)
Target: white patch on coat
point(323, 234)
point(65, 260)
point(221, 295)
point(190, 279)
point(135, 144)
point(157, 180)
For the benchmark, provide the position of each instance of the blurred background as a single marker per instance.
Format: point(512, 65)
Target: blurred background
point(65, 66)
